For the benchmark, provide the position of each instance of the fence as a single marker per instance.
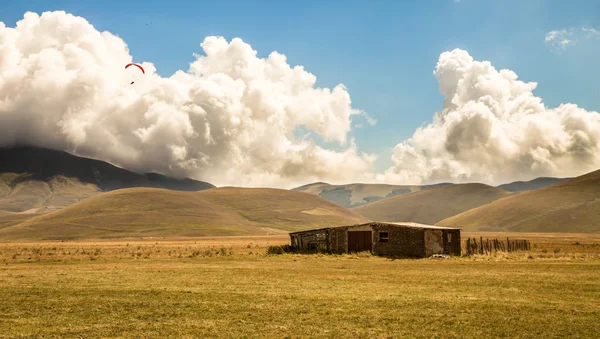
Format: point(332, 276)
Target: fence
point(488, 246)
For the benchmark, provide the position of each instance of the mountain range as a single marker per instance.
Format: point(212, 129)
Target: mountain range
point(47, 194)
point(34, 178)
point(568, 206)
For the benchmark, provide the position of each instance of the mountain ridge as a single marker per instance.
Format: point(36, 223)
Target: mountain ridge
point(432, 205)
point(135, 212)
point(34, 177)
point(569, 206)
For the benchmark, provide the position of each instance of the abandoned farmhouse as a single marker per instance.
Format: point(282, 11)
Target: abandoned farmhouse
point(404, 239)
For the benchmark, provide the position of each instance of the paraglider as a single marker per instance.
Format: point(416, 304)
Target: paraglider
point(132, 64)
point(138, 66)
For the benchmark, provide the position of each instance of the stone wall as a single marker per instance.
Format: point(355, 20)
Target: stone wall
point(402, 241)
point(338, 240)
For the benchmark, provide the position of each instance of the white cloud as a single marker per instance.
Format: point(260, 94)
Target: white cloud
point(231, 118)
point(228, 120)
point(493, 129)
point(560, 39)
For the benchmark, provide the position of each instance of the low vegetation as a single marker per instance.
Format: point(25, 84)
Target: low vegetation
point(231, 287)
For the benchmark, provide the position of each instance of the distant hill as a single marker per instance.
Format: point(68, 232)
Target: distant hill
point(151, 212)
point(32, 178)
point(433, 205)
point(519, 186)
point(570, 206)
point(353, 195)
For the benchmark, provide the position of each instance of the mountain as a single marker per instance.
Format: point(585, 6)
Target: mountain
point(353, 195)
point(151, 212)
point(32, 178)
point(432, 205)
point(519, 186)
point(569, 206)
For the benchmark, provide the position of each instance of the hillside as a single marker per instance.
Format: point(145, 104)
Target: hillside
point(40, 179)
point(150, 212)
point(433, 205)
point(353, 195)
point(570, 206)
point(519, 186)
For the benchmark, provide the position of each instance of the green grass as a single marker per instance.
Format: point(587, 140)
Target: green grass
point(178, 290)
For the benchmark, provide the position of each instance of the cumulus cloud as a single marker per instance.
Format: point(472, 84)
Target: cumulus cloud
point(229, 119)
point(493, 129)
point(560, 39)
point(233, 118)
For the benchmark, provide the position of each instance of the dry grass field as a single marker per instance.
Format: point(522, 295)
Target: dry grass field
point(229, 287)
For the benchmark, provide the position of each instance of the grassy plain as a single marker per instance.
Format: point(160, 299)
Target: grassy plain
point(229, 287)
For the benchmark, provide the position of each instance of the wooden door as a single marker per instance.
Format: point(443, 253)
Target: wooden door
point(359, 241)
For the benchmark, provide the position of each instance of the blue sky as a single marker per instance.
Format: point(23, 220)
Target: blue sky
point(383, 51)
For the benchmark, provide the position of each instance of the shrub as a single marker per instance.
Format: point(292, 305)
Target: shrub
point(321, 248)
point(275, 250)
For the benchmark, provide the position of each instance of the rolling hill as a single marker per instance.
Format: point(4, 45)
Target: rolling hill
point(519, 186)
point(353, 195)
point(569, 206)
point(151, 212)
point(33, 179)
point(433, 205)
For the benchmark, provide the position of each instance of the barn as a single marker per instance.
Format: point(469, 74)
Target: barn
point(402, 239)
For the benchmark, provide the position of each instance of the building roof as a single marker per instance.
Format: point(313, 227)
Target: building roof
point(404, 224)
point(415, 224)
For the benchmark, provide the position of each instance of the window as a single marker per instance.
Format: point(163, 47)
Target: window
point(449, 236)
point(383, 236)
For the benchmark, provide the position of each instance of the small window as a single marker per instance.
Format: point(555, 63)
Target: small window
point(449, 237)
point(383, 236)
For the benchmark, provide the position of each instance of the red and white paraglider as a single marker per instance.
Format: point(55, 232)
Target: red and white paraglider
point(138, 66)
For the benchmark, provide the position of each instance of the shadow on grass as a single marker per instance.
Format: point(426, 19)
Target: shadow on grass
point(321, 249)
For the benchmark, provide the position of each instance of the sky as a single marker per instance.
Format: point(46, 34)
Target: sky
point(385, 53)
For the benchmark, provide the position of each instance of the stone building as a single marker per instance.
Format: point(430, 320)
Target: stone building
point(402, 239)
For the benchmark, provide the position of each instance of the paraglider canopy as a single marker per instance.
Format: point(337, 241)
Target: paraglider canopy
point(140, 67)
point(136, 65)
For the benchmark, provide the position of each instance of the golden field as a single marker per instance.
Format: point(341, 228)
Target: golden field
point(229, 287)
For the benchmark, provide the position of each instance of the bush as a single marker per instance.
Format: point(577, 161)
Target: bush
point(275, 250)
point(288, 249)
point(321, 248)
